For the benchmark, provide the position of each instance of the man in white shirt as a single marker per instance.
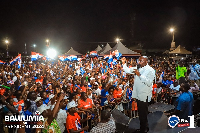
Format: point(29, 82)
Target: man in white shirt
point(96, 89)
point(142, 89)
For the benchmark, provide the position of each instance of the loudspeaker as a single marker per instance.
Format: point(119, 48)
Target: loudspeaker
point(121, 120)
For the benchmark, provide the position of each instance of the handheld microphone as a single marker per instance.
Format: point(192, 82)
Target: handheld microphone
point(138, 66)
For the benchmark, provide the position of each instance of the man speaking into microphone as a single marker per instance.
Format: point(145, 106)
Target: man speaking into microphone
point(142, 88)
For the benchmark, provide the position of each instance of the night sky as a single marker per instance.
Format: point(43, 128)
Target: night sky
point(78, 23)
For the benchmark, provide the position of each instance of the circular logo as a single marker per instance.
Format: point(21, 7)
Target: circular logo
point(173, 121)
point(37, 112)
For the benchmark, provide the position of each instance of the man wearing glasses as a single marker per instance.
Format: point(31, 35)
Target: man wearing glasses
point(142, 88)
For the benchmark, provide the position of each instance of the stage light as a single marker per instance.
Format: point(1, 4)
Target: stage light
point(6, 41)
point(117, 39)
point(47, 40)
point(171, 30)
point(51, 53)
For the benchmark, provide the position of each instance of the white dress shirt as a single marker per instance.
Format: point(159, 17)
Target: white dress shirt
point(143, 84)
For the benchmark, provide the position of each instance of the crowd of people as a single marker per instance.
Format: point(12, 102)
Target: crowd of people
point(78, 96)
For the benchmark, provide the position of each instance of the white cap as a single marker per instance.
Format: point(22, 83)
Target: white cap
point(51, 96)
point(42, 108)
point(16, 71)
point(66, 97)
point(96, 83)
point(71, 104)
point(38, 99)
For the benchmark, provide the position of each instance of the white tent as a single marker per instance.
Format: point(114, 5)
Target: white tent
point(123, 50)
point(98, 49)
point(180, 50)
point(72, 52)
point(105, 49)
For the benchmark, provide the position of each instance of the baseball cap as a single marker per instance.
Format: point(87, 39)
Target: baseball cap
point(38, 99)
point(51, 96)
point(42, 108)
point(71, 104)
point(16, 71)
point(96, 83)
point(66, 97)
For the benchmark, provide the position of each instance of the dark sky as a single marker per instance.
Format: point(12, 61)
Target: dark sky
point(75, 22)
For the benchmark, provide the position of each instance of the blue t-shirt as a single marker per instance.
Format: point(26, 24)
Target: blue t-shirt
point(103, 95)
point(46, 101)
point(26, 114)
point(165, 82)
point(169, 82)
point(129, 94)
point(184, 104)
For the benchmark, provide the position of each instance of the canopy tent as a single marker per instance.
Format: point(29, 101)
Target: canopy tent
point(166, 52)
point(180, 50)
point(105, 49)
point(98, 49)
point(123, 50)
point(72, 52)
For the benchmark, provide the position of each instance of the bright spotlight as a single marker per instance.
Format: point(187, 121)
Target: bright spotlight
point(51, 53)
point(6, 41)
point(117, 39)
point(171, 30)
point(47, 40)
point(34, 45)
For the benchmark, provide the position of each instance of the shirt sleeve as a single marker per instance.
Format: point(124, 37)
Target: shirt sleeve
point(147, 78)
point(128, 70)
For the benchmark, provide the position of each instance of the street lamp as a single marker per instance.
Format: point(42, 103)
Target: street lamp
point(117, 40)
point(48, 42)
point(172, 31)
point(7, 42)
point(34, 45)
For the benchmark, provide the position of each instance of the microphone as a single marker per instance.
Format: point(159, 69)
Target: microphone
point(138, 66)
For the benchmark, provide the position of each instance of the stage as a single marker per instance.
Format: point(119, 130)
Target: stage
point(158, 123)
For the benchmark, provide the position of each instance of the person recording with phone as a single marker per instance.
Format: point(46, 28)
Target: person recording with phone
point(142, 88)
